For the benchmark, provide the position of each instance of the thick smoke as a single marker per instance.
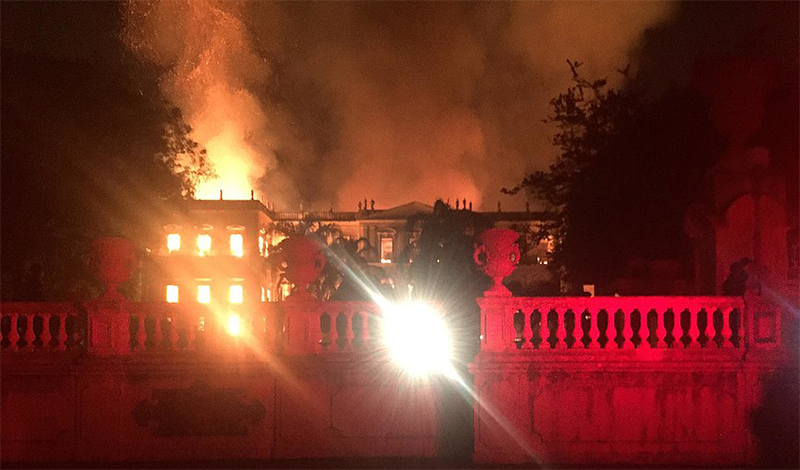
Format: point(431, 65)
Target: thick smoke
point(330, 103)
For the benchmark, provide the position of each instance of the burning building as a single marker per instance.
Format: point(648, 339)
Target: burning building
point(217, 251)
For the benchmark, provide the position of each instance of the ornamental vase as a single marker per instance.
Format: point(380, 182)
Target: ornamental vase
point(113, 258)
point(497, 255)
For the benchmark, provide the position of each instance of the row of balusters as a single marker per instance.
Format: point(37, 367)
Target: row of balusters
point(629, 329)
point(347, 329)
point(42, 331)
point(337, 331)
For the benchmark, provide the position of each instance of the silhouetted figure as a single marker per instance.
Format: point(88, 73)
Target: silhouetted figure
point(464, 204)
point(372, 204)
point(457, 201)
point(736, 283)
point(359, 206)
point(470, 205)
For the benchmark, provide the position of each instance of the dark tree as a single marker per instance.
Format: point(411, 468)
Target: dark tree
point(628, 167)
point(85, 154)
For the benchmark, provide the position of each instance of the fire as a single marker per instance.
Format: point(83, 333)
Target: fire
point(233, 164)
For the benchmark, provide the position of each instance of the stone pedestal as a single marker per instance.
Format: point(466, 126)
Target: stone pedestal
point(744, 217)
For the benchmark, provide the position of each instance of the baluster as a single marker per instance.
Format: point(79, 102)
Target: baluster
point(661, 329)
point(627, 330)
point(61, 334)
point(561, 328)
point(677, 331)
point(710, 332)
point(46, 337)
point(141, 333)
point(611, 330)
point(159, 338)
point(737, 336)
point(594, 330)
point(727, 333)
point(191, 332)
point(348, 329)
point(644, 331)
point(694, 331)
point(365, 339)
point(4, 336)
point(544, 330)
point(30, 336)
point(518, 320)
point(577, 330)
point(75, 332)
point(334, 331)
point(173, 333)
point(13, 335)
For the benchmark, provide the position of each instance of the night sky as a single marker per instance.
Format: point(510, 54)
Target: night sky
point(333, 102)
point(328, 103)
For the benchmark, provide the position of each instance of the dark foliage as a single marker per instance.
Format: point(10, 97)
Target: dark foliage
point(628, 168)
point(85, 154)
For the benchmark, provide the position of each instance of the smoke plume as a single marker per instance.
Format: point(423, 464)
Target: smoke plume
point(330, 103)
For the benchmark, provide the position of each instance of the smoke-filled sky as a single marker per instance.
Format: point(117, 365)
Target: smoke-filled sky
point(333, 102)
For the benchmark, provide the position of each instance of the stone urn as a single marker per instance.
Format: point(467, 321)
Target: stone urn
point(497, 254)
point(113, 258)
point(304, 263)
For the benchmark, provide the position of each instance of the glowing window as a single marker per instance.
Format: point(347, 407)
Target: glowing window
point(172, 293)
point(237, 244)
point(204, 294)
point(387, 245)
point(263, 294)
point(261, 245)
point(203, 244)
point(286, 289)
point(236, 294)
point(276, 239)
point(173, 242)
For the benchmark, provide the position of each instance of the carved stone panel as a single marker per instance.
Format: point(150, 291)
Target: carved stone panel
point(199, 410)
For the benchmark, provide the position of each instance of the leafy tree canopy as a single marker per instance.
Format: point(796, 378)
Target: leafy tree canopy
point(628, 167)
point(85, 154)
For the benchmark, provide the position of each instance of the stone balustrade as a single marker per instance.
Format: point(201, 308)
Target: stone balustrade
point(40, 327)
point(612, 323)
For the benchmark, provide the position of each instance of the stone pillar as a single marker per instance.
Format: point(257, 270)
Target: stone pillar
point(108, 315)
point(301, 313)
point(304, 263)
point(744, 217)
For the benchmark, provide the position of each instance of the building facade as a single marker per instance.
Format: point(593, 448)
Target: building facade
point(217, 252)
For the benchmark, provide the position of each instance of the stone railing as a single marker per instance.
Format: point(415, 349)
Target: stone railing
point(611, 323)
point(310, 327)
point(36, 327)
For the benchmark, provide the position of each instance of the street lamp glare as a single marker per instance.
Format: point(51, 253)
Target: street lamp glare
point(417, 339)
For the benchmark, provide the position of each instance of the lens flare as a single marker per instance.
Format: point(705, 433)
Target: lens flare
point(417, 339)
point(233, 325)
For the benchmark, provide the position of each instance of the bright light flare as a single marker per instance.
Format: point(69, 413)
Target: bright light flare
point(418, 339)
point(233, 325)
